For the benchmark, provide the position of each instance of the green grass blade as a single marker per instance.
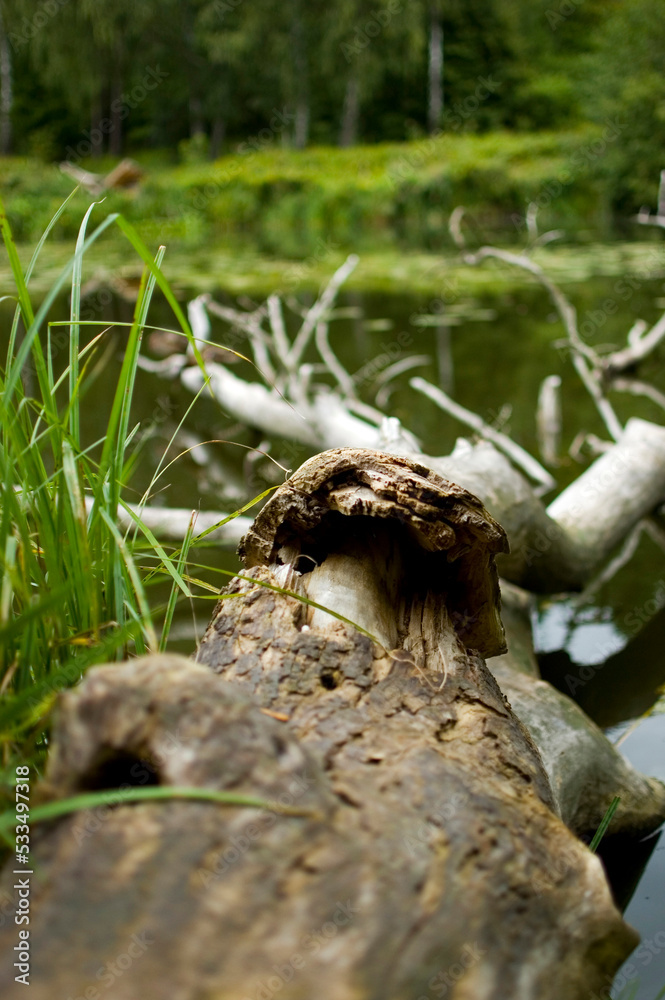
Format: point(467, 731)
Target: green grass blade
point(136, 581)
point(144, 254)
point(173, 596)
point(158, 548)
point(14, 370)
point(38, 249)
point(31, 266)
point(119, 796)
point(17, 270)
point(74, 317)
point(604, 823)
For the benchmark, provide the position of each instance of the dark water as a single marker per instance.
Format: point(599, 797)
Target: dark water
point(491, 352)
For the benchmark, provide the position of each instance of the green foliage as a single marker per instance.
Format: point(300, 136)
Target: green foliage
point(200, 77)
point(73, 588)
point(286, 202)
point(624, 79)
point(353, 68)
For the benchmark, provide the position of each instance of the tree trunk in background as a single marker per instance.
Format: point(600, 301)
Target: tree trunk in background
point(5, 91)
point(96, 115)
point(196, 123)
point(301, 127)
point(115, 135)
point(350, 113)
point(217, 134)
point(435, 69)
point(117, 76)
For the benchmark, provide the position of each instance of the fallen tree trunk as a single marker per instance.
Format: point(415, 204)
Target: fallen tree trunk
point(422, 852)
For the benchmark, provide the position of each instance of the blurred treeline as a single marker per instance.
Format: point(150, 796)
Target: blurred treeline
point(198, 77)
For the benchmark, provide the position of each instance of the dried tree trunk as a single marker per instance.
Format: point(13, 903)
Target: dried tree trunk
point(428, 855)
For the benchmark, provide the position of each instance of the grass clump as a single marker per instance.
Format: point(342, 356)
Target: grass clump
point(73, 588)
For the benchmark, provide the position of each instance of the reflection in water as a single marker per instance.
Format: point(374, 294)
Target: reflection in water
point(643, 975)
point(613, 689)
point(444, 358)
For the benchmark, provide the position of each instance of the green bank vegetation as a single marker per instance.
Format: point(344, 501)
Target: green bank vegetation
point(294, 203)
point(74, 587)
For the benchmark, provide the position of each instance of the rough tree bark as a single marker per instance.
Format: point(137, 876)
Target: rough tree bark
point(423, 846)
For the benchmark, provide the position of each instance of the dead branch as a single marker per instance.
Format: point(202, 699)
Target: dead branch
point(520, 457)
point(585, 360)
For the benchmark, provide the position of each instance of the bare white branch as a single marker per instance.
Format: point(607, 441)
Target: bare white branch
point(518, 455)
point(640, 345)
point(282, 345)
point(331, 361)
point(251, 323)
point(322, 305)
point(638, 388)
